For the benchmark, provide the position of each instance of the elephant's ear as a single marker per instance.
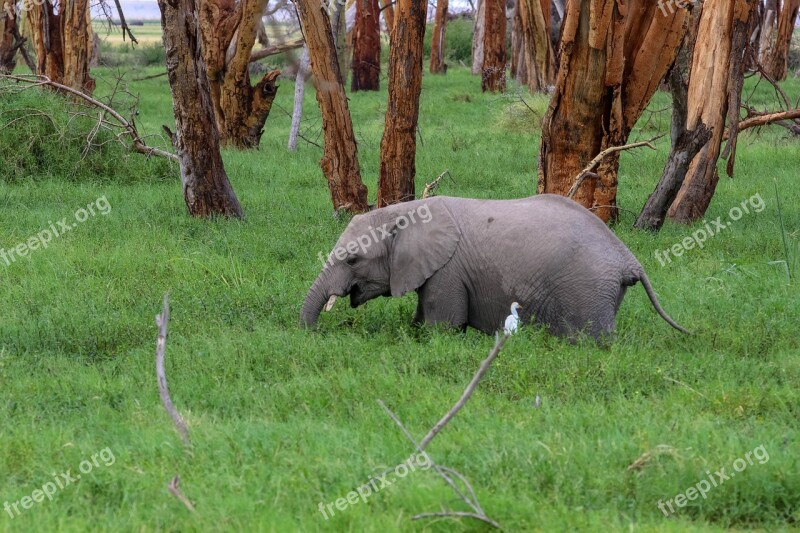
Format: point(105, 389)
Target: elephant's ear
point(421, 248)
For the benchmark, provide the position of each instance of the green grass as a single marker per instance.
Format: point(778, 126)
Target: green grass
point(282, 419)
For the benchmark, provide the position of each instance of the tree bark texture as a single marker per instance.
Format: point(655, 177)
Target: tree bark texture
point(538, 50)
point(366, 47)
point(206, 188)
point(493, 76)
point(438, 66)
point(775, 58)
point(229, 32)
point(399, 143)
point(387, 8)
point(612, 58)
point(299, 95)
point(714, 90)
point(8, 41)
point(63, 42)
point(340, 159)
point(478, 33)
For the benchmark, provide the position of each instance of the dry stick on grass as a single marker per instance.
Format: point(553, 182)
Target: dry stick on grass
point(430, 187)
point(587, 172)
point(162, 321)
point(176, 491)
point(442, 471)
point(130, 129)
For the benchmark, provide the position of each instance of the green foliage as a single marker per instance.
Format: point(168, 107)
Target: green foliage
point(458, 41)
point(147, 54)
point(41, 136)
point(282, 419)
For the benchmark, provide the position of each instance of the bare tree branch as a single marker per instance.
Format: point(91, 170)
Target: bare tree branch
point(176, 491)
point(130, 129)
point(587, 172)
point(162, 321)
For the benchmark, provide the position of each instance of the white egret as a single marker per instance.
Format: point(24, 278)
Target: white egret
point(512, 321)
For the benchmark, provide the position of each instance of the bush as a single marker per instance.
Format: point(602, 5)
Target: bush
point(144, 55)
point(457, 41)
point(41, 137)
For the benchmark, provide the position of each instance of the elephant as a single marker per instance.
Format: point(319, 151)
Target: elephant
point(469, 259)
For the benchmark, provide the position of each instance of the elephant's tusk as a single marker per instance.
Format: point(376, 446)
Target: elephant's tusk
point(331, 302)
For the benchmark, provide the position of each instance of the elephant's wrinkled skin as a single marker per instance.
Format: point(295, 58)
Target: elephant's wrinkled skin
point(469, 259)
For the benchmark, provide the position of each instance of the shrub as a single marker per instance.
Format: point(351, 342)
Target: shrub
point(41, 137)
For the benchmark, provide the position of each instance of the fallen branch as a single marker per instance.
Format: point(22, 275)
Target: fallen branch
point(587, 172)
point(138, 144)
point(176, 491)
point(162, 321)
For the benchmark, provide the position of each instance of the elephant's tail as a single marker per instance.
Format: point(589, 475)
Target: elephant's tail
point(654, 300)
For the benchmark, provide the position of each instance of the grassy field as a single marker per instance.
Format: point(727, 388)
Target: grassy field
point(283, 419)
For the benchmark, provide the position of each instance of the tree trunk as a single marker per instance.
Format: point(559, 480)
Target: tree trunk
point(494, 47)
point(478, 33)
point(438, 66)
point(206, 188)
point(399, 144)
point(366, 47)
point(229, 33)
point(517, 46)
point(538, 51)
point(62, 43)
point(339, 29)
point(299, 94)
point(340, 160)
point(714, 92)
point(387, 8)
point(612, 58)
point(8, 42)
point(775, 59)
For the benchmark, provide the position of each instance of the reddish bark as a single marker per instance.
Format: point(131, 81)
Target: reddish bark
point(494, 47)
point(399, 144)
point(366, 47)
point(438, 66)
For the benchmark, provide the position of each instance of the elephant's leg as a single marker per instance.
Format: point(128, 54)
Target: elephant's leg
point(442, 301)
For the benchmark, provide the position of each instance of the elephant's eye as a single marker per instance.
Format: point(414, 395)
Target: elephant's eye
point(351, 259)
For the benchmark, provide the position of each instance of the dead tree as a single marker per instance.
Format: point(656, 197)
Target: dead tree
point(340, 160)
point(399, 144)
point(229, 33)
point(494, 47)
point(438, 66)
point(478, 33)
point(715, 87)
point(612, 59)
point(62, 42)
point(366, 47)
point(206, 188)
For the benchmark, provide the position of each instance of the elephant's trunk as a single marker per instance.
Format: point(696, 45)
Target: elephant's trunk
point(331, 281)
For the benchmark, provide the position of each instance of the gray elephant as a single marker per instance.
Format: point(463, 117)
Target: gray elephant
point(468, 260)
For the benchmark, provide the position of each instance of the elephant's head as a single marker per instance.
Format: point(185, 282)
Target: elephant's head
point(389, 251)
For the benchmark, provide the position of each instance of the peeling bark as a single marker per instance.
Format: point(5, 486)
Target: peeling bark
point(206, 188)
point(612, 58)
point(538, 51)
point(438, 66)
point(340, 160)
point(399, 143)
point(62, 43)
point(494, 47)
point(775, 56)
point(366, 47)
point(714, 90)
point(229, 33)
